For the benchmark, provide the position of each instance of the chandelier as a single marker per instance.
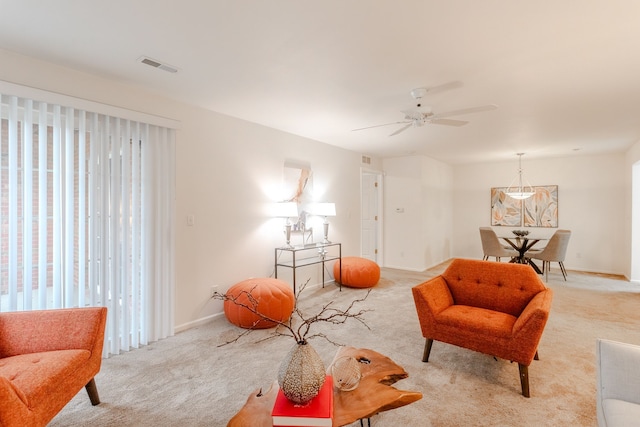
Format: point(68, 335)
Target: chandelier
point(520, 191)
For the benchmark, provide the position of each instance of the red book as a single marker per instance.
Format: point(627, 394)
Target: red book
point(316, 413)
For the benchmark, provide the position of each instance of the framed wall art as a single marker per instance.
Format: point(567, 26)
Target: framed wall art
point(504, 209)
point(539, 210)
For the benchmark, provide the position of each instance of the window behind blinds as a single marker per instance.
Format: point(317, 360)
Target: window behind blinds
point(86, 217)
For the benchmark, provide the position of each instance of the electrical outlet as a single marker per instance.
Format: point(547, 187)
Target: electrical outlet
point(214, 289)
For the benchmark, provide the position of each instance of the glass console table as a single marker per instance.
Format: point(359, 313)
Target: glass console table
point(309, 254)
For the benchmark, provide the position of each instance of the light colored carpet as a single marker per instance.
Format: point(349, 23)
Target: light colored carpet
point(187, 380)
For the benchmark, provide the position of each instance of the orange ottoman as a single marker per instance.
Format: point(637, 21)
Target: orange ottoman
point(273, 298)
point(357, 272)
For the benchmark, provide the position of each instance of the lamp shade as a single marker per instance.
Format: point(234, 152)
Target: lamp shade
point(285, 210)
point(324, 209)
point(520, 192)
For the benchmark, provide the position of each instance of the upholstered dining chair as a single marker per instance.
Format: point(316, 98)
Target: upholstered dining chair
point(555, 251)
point(491, 246)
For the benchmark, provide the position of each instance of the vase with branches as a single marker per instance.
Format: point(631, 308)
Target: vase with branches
point(302, 372)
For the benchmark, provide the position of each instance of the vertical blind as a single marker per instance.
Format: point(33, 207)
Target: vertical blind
point(86, 217)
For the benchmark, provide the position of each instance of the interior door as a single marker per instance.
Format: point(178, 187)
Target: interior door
point(369, 219)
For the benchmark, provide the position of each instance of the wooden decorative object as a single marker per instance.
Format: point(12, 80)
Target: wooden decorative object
point(374, 394)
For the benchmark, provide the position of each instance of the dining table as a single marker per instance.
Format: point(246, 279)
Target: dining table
point(522, 244)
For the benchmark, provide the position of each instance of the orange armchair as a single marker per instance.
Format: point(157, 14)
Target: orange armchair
point(46, 357)
point(498, 309)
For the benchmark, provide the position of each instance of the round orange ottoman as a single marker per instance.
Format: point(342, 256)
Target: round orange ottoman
point(274, 299)
point(357, 272)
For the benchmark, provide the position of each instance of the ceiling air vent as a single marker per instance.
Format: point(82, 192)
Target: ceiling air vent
point(157, 64)
point(366, 160)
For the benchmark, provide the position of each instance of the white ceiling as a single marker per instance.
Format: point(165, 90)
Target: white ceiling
point(563, 73)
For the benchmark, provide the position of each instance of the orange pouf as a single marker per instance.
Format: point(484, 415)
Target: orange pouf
point(357, 272)
point(274, 299)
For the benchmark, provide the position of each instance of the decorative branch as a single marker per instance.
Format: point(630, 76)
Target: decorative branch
point(299, 328)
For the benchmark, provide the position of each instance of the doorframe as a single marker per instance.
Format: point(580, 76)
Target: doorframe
point(380, 212)
point(634, 270)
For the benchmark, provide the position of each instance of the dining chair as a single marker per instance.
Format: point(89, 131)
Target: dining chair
point(555, 251)
point(491, 246)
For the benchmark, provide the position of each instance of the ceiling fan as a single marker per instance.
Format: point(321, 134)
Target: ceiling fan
point(422, 115)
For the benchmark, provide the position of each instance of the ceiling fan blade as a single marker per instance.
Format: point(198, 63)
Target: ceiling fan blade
point(446, 86)
point(448, 122)
point(377, 126)
point(402, 129)
point(479, 109)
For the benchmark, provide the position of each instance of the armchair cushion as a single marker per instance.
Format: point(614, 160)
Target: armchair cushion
point(620, 413)
point(46, 357)
point(618, 381)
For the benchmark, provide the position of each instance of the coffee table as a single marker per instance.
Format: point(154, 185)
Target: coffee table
point(374, 394)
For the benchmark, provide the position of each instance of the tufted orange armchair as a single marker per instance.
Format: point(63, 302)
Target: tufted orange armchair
point(46, 357)
point(494, 308)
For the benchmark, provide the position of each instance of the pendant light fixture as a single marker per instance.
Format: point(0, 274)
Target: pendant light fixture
point(520, 191)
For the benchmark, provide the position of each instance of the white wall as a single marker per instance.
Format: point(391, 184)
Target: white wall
point(227, 172)
point(417, 212)
point(591, 203)
point(445, 205)
point(631, 253)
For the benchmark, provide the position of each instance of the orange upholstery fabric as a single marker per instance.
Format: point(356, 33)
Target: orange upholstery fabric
point(273, 298)
point(498, 309)
point(357, 272)
point(46, 357)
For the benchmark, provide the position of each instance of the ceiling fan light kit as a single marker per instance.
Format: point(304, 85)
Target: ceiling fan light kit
point(520, 192)
point(419, 92)
point(421, 115)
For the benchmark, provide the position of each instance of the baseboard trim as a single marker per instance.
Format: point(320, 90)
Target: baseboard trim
point(198, 322)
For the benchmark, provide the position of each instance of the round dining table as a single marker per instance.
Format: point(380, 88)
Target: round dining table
point(522, 244)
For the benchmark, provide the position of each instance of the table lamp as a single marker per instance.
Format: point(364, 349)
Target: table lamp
point(286, 210)
point(325, 210)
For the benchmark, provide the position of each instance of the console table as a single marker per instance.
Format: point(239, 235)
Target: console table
point(374, 394)
point(309, 254)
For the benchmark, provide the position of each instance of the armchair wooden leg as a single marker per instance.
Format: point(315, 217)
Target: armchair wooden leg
point(92, 391)
point(427, 350)
point(524, 379)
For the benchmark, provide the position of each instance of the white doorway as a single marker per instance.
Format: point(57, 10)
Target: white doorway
point(371, 216)
point(635, 223)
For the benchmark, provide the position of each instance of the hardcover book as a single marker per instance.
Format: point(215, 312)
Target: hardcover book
point(316, 413)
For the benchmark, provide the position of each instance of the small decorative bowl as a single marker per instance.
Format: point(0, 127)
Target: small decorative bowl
point(520, 233)
point(346, 373)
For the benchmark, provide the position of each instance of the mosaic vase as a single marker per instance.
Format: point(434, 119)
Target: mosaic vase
point(301, 373)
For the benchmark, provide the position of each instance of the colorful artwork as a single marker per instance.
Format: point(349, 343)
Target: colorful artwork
point(539, 210)
point(504, 209)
